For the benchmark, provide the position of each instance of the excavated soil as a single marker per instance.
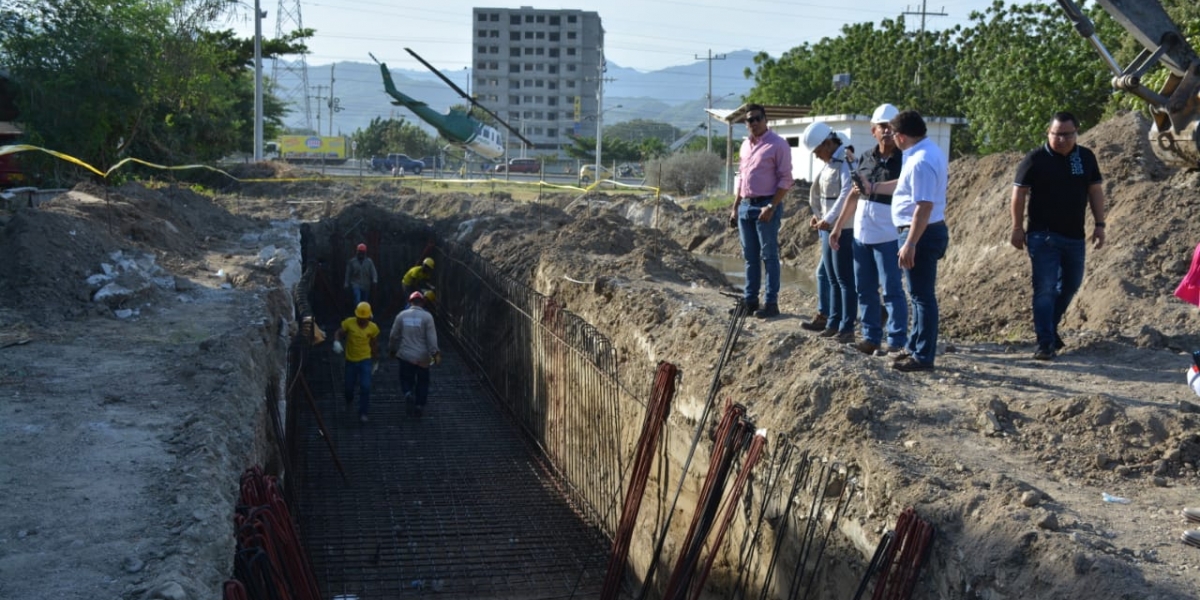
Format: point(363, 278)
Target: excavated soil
point(124, 436)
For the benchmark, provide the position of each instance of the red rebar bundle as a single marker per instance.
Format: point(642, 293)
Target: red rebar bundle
point(270, 563)
point(656, 416)
point(904, 557)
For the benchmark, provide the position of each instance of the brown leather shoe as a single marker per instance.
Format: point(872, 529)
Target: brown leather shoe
point(866, 347)
point(817, 324)
point(828, 333)
point(845, 337)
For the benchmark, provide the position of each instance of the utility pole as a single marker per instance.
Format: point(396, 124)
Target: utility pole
point(923, 13)
point(319, 97)
point(332, 100)
point(707, 116)
point(259, 15)
point(600, 108)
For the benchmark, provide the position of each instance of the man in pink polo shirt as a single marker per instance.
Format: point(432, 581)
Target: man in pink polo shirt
point(764, 177)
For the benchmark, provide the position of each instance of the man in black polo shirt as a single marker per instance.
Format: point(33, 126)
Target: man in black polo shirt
point(1058, 181)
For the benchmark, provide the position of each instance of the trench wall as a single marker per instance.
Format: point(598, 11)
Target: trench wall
point(561, 381)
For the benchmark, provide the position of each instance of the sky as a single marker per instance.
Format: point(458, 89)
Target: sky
point(646, 35)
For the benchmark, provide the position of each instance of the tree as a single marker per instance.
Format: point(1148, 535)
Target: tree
point(103, 79)
point(640, 129)
point(1026, 63)
point(885, 64)
point(386, 136)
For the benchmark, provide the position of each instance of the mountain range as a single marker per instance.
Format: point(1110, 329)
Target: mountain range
point(674, 95)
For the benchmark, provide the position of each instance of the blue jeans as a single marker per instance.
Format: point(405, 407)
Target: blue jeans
point(360, 293)
point(760, 242)
point(359, 373)
point(922, 280)
point(414, 379)
point(839, 268)
point(875, 265)
point(1057, 274)
point(824, 302)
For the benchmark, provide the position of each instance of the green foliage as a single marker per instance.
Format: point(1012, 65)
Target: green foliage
point(386, 136)
point(1027, 63)
point(651, 147)
point(582, 148)
point(1007, 73)
point(642, 129)
point(105, 79)
point(885, 64)
point(687, 174)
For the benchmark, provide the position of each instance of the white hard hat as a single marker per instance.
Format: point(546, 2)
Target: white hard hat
point(816, 134)
point(884, 113)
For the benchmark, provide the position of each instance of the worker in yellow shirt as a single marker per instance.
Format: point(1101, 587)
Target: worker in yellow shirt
point(418, 277)
point(362, 349)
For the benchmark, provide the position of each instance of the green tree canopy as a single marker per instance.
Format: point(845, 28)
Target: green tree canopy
point(640, 129)
point(103, 79)
point(386, 136)
point(1006, 73)
point(885, 64)
point(1026, 62)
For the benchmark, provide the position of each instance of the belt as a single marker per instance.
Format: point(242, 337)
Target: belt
point(881, 199)
point(758, 200)
point(903, 228)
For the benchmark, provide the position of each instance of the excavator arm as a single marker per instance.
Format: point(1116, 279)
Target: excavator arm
point(1176, 106)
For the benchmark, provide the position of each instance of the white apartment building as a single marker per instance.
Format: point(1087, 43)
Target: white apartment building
point(539, 70)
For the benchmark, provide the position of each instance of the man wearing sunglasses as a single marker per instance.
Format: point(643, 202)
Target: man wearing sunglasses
point(1059, 182)
point(764, 177)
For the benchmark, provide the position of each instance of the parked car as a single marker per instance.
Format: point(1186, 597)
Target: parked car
point(520, 165)
point(390, 162)
point(587, 174)
point(402, 161)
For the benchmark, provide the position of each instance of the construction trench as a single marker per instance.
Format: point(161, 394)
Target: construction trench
point(516, 482)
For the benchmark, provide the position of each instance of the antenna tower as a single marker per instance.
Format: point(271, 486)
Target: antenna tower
point(287, 19)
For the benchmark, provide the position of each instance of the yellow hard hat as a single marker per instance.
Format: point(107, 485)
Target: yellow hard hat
point(428, 262)
point(363, 310)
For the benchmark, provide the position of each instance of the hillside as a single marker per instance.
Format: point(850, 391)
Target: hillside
point(674, 95)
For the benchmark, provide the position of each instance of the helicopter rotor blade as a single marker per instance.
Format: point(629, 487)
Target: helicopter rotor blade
point(440, 75)
point(468, 98)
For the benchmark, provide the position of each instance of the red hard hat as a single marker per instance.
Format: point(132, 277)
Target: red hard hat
point(415, 296)
point(362, 247)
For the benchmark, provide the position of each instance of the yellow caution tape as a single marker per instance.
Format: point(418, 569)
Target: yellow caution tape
point(12, 149)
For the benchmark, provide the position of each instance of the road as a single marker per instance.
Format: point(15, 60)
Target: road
point(348, 170)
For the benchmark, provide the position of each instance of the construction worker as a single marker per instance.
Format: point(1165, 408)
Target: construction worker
point(413, 341)
point(418, 277)
point(360, 275)
point(362, 349)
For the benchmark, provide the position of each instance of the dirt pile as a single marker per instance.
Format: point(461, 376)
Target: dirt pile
point(1126, 293)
